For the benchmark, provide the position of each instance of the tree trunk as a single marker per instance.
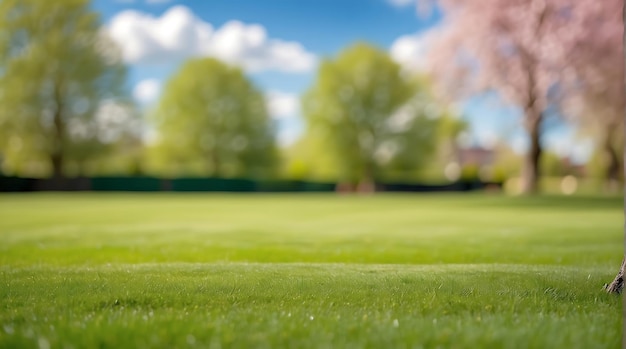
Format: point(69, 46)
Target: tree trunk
point(56, 156)
point(617, 284)
point(612, 174)
point(531, 170)
point(57, 165)
point(367, 184)
point(620, 274)
point(57, 153)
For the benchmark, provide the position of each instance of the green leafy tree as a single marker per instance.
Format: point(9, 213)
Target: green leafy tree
point(213, 119)
point(56, 69)
point(377, 122)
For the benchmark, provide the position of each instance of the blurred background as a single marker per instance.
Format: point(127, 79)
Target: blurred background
point(399, 95)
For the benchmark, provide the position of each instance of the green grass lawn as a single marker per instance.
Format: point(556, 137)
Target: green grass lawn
point(298, 271)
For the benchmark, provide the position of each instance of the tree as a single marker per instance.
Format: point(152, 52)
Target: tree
point(598, 100)
point(526, 49)
point(56, 69)
point(210, 114)
point(519, 48)
point(617, 285)
point(372, 117)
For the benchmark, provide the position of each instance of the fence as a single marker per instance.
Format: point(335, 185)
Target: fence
point(152, 184)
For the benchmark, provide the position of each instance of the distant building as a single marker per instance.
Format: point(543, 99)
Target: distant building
point(475, 159)
point(573, 168)
point(475, 156)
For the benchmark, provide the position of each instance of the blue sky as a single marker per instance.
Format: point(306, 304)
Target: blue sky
point(279, 42)
point(322, 27)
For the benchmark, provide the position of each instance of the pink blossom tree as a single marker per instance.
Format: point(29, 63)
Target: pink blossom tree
point(597, 100)
point(524, 50)
point(569, 53)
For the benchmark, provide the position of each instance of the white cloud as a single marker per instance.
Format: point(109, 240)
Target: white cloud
point(282, 105)
point(147, 91)
point(424, 8)
point(179, 34)
point(147, 39)
point(410, 51)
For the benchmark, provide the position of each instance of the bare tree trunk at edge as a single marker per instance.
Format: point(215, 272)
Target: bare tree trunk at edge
point(617, 284)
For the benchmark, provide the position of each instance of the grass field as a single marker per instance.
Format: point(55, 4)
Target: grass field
point(308, 271)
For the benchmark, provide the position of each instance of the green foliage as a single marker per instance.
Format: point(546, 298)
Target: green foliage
point(124, 157)
point(372, 120)
point(470, 172)
point(311, 157)
point(507, 163)
point(308, 271)
point(450, 127)
point(552, 165)
point(212, 120)
point(597, 165)
point(56, 70)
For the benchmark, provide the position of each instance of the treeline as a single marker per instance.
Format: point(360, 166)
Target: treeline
point(66, 112)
